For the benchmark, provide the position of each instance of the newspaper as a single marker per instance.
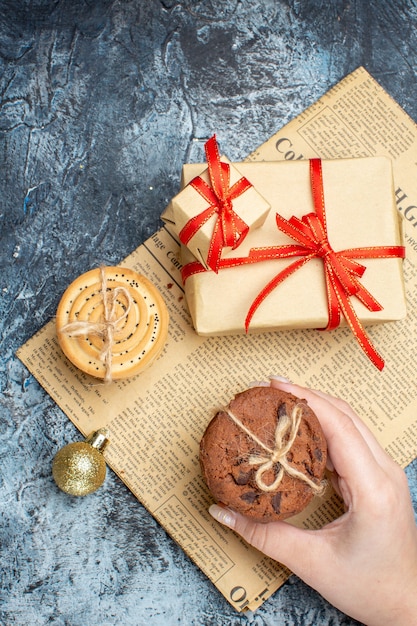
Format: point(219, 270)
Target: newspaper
point(156, 419)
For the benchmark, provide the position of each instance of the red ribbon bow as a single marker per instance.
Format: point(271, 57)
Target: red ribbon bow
point(229, 229)
point(341, 271)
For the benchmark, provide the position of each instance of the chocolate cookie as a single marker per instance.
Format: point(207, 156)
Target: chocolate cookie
point(265, 455)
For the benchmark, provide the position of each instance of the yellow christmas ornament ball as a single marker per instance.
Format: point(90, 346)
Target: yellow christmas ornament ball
point(79, 468)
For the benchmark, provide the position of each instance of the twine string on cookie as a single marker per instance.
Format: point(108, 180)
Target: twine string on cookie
point(287, 427)
point(105, 328)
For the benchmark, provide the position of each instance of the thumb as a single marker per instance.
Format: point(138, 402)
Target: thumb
point(279, 540)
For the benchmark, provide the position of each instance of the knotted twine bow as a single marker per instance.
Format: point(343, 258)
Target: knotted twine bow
point(229, 229)
point(287, 426)
point(107, 327)
point(342, 273)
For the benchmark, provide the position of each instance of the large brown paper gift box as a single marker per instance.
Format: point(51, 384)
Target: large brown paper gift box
point(360, 210)
point(250, 206)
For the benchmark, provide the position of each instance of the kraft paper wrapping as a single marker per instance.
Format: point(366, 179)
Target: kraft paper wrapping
point(360, 210)
point(188, 203)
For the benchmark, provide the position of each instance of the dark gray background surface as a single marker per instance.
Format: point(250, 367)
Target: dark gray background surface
point(101, 103)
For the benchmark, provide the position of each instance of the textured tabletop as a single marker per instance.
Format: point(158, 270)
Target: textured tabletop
point(101, 104)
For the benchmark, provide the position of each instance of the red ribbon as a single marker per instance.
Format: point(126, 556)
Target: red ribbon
point(342, 273)
point(229, 229)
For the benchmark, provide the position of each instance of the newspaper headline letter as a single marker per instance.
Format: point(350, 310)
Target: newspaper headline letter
point(156, 419)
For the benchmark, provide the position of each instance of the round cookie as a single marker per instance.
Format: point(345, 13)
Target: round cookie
point(240, 447)
point(112, 323)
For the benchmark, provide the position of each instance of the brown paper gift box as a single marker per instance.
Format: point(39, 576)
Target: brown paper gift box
point(251, 207)
point(360, 210)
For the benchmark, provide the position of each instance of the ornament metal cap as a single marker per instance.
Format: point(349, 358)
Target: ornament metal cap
point(79, 468)
point(99, 439)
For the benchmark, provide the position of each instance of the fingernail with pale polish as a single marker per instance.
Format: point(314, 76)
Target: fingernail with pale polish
point(279, 379)
point(223, 515)
point(259, 383)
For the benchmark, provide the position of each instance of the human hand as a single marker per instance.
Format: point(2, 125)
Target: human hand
point(364, 562)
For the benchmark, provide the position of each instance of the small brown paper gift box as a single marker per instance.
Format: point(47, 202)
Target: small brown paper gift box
point(360, 212)
point(215, 199)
